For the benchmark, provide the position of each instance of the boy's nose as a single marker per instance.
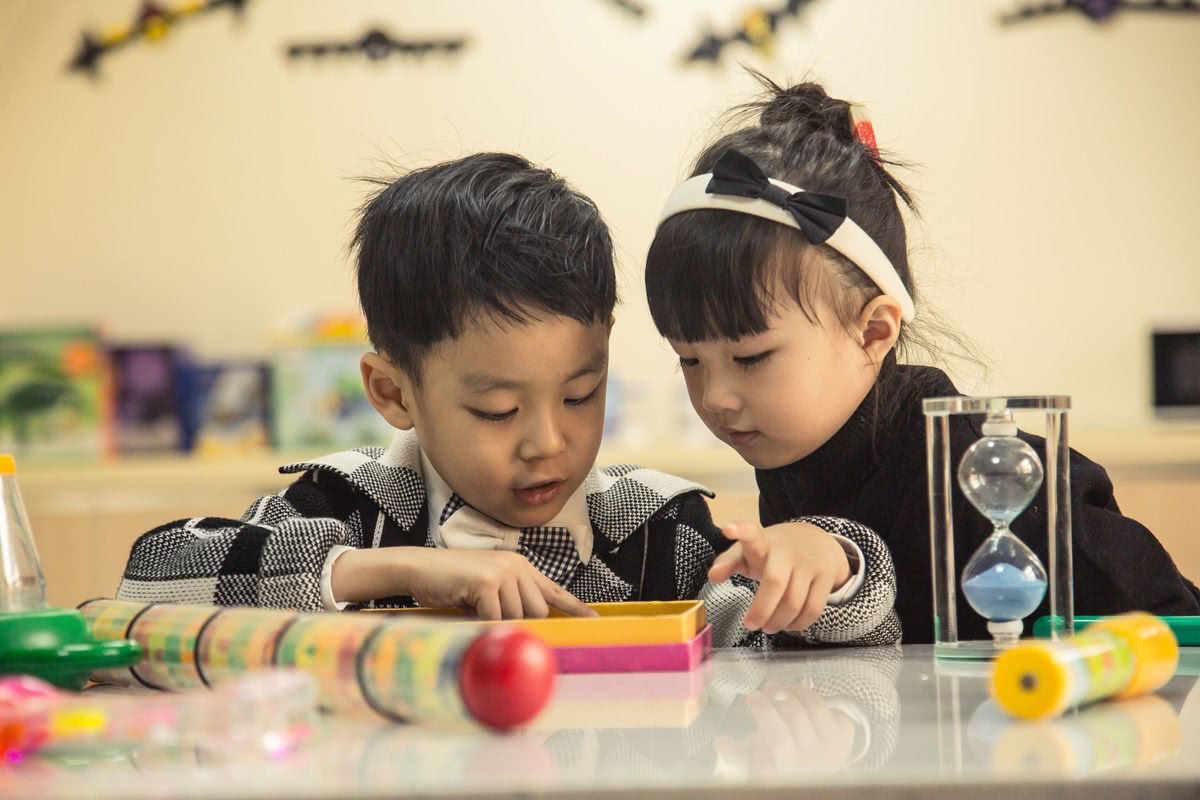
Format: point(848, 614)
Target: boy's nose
point(544, 439)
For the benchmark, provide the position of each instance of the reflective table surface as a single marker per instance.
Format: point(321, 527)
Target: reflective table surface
point(831, 724)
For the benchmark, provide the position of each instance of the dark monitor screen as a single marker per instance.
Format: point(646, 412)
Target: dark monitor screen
point(1177, 370)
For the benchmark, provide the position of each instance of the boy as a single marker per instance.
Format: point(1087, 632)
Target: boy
point(488, 288)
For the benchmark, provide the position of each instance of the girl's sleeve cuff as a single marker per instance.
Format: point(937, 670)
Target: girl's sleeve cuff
point(858, 571)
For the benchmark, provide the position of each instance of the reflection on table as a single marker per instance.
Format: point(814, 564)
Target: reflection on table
point(744, 719)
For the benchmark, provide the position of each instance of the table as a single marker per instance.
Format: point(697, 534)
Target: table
point(861, 723)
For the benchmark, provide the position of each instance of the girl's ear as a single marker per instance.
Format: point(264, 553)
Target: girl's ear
point(879, 327)
point(390, 390)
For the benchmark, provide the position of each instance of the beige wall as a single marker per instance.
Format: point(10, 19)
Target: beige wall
point(201, 190)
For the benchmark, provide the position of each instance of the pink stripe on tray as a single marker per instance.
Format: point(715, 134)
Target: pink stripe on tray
point(674, 657)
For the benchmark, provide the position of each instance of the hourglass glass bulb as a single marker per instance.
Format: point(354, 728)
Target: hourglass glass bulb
point(1000, 474)
point(1004, 581)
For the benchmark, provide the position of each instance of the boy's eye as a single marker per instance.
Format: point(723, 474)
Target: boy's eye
point(688, 362)
point(582, 401)
point(492, 417)
point(750, 361)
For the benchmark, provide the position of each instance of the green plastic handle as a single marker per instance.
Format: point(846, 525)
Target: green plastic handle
point(103, 655)
point(1186, 629)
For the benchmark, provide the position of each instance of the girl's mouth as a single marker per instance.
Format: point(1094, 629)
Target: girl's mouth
point(739, 438)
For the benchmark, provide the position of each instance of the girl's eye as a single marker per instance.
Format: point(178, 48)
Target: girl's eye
point(688, 362)
point(750, 361)
point(583, 401)
point(490, 417)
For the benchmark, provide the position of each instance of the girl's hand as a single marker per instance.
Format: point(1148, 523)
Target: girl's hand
point(490, 583)
point(797, 566)
point(795, 733)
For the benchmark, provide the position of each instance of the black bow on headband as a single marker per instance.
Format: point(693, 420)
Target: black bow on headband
point(819, 215)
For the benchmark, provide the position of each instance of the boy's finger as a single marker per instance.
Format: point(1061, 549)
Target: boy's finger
point(766, 599)
point(558, 597)
point(487, 606)
point(726, 564)
point(531, 599)
point(510, 601)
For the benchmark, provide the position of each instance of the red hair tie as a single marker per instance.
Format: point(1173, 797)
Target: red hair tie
point(863, 130)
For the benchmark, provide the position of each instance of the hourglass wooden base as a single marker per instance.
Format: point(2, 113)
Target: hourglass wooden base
point(942, 489)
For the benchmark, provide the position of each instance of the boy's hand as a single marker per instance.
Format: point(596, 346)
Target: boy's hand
point(796, 565)
point(491, 583)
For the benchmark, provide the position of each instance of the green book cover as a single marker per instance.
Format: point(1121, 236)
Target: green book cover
point(55, 394)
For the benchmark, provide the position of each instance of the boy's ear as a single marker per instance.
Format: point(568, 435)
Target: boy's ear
point(389, 389)
point(879, 327)
point(612, 320)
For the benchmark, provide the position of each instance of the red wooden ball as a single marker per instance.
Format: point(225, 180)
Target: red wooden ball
point(507, 677)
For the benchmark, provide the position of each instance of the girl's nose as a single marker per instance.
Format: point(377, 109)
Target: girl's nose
point(719, 397)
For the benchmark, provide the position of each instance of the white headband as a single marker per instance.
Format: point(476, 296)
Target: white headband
point(846, 236)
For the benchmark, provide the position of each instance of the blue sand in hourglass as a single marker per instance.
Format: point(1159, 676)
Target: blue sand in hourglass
point(1004, 592)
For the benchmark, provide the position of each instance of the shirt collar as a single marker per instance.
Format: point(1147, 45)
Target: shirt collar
point(573, 516)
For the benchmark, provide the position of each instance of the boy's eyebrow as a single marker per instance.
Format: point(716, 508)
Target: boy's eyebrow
point(596, 363)
point(481, 382)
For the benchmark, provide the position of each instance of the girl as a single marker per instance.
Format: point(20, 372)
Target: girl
point(787, 307)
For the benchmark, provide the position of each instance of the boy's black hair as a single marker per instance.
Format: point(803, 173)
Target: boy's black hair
point(713, 274)
point(486, 236)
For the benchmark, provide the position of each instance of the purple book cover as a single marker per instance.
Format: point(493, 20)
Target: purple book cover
point(675, 657)
point(147, 409)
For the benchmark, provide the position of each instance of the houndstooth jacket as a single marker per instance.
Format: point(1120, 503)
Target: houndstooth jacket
point(654, 540)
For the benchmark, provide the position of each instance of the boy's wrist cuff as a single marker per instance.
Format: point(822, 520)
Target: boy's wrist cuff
point(327, 599)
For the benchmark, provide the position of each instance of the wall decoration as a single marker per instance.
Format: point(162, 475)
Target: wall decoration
point(153, 21)
point(377, 45)
point(758, 29)
point(631, 7)
point(1097, 10)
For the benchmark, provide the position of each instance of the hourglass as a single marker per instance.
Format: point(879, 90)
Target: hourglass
point(1004, 581)
point(999, 474)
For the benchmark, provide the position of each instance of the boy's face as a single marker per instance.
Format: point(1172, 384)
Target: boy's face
point(511, 414)
point(778, 396)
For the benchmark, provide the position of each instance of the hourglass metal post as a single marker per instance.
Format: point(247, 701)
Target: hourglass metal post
point(941, 474)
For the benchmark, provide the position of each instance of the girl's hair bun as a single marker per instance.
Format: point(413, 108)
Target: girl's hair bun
point(805, 109)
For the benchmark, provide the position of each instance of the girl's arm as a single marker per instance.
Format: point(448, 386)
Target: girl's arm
point(866, 617)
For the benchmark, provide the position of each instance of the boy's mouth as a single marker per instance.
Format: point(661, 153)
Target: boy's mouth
point(540, 493)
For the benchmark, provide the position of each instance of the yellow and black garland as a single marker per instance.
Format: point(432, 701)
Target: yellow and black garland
point(758, 30)
point(152, 23)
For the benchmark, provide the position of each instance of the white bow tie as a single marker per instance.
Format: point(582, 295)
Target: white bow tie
point(557, 549)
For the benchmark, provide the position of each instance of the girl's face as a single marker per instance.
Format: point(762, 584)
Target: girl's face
point(778, 396)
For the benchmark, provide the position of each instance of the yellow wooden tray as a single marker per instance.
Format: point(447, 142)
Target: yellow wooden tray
point(665, 622)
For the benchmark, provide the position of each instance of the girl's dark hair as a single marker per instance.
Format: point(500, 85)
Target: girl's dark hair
point(713, 274)
point(485, 236)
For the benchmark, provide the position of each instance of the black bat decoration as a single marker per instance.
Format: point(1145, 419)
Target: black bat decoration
point(376, 45)
point(1097, 10)
point(630, 7)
